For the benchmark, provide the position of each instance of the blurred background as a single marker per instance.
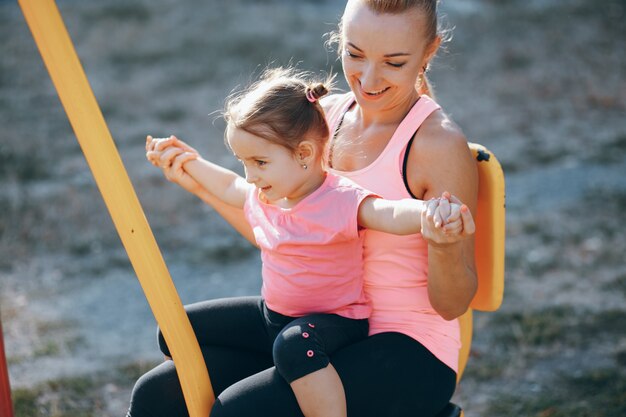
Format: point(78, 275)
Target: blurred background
point(541, 83)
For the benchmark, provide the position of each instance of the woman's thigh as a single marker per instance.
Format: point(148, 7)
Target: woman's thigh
point(265, 394)
point(237, 322)
point(392, 375)
point(158, 392)
point(388, 375)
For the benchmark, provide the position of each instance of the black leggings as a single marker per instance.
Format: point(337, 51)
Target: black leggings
point(388, 374)
point(298, 345)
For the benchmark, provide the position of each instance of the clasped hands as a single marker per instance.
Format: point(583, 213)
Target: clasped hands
point(444, 220)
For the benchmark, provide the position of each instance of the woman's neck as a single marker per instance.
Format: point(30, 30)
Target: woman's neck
point(364, 134)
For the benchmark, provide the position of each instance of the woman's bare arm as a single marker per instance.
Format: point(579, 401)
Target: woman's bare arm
point(440, 160)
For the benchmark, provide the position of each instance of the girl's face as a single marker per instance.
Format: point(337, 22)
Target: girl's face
point(272, 168)
point(383, 55)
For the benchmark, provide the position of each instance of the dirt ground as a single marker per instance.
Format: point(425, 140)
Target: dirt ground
point(541, 83)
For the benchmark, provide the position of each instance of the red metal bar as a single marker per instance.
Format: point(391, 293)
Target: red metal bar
point(6, 405)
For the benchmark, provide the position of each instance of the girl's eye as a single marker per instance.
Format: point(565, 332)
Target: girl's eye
point(260, 163)
point(396, 64)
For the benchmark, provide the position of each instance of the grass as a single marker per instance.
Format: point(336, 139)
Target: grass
point(67, 397)
point(49, 348)
point(618, 284)
point(555, 240)
point(25, 402)
point(543, 356)
point(485, 367)
point(23, 166)
point(51, 339)
point(525, 340)
point(80, 396)
point(609, 152)
point(136, 13)
point(555, 325)
point(597, 393)
point(5, 207)
point(620, 358)
point(532, 328)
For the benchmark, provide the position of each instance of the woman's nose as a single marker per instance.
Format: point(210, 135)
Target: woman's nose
point(369, 78)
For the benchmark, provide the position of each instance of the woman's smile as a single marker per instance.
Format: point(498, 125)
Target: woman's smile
point(374, 94)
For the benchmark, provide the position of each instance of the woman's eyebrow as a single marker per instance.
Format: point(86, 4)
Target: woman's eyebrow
point(395, 54)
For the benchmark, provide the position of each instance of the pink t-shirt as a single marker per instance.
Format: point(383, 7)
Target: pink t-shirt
point(396, 267)
point(312, 253)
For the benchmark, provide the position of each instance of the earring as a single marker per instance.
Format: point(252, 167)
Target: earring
point(305, 166)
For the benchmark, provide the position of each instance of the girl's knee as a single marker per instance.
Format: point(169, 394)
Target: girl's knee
point(297, 352)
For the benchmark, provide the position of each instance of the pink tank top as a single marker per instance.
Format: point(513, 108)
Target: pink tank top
point(396, 267)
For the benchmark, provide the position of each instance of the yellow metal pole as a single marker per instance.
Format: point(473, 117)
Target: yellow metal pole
point(67, 74)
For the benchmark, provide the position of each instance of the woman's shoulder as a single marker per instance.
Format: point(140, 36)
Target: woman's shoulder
point(439, 133)
point(440, 160)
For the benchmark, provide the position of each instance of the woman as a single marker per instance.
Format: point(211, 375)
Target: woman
point(391, 138)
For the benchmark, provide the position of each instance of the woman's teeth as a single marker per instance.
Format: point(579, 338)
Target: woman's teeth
point(375, 93)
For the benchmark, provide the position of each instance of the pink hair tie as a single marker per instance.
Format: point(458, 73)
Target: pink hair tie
point(310, 96)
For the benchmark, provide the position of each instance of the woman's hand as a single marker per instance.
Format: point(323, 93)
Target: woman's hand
point(170, 154)
point(446, 221)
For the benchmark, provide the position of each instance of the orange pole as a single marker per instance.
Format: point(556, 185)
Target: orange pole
point(6, 405)
point(83, 112)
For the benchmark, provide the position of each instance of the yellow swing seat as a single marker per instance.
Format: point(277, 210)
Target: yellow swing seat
point(489, 252)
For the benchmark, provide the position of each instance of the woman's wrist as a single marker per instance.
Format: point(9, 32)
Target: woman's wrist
point(445, 249)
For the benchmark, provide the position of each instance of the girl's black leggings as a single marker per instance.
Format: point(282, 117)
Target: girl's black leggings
point(388, 374)
point(298, 345)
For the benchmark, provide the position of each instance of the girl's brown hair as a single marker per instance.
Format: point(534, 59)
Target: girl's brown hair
point(277, 109)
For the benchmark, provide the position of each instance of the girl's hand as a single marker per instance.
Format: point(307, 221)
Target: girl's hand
point(170, 154)
point(156, 148)
point(446, 220)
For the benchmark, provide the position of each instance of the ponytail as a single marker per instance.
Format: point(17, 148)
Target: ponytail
point(316, 91)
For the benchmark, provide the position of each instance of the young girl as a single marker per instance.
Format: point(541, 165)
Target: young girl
point(307, 223)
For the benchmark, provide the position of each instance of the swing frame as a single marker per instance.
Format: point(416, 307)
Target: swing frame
point(85, 116)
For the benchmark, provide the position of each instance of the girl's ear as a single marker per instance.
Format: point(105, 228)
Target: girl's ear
point(306, 152)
